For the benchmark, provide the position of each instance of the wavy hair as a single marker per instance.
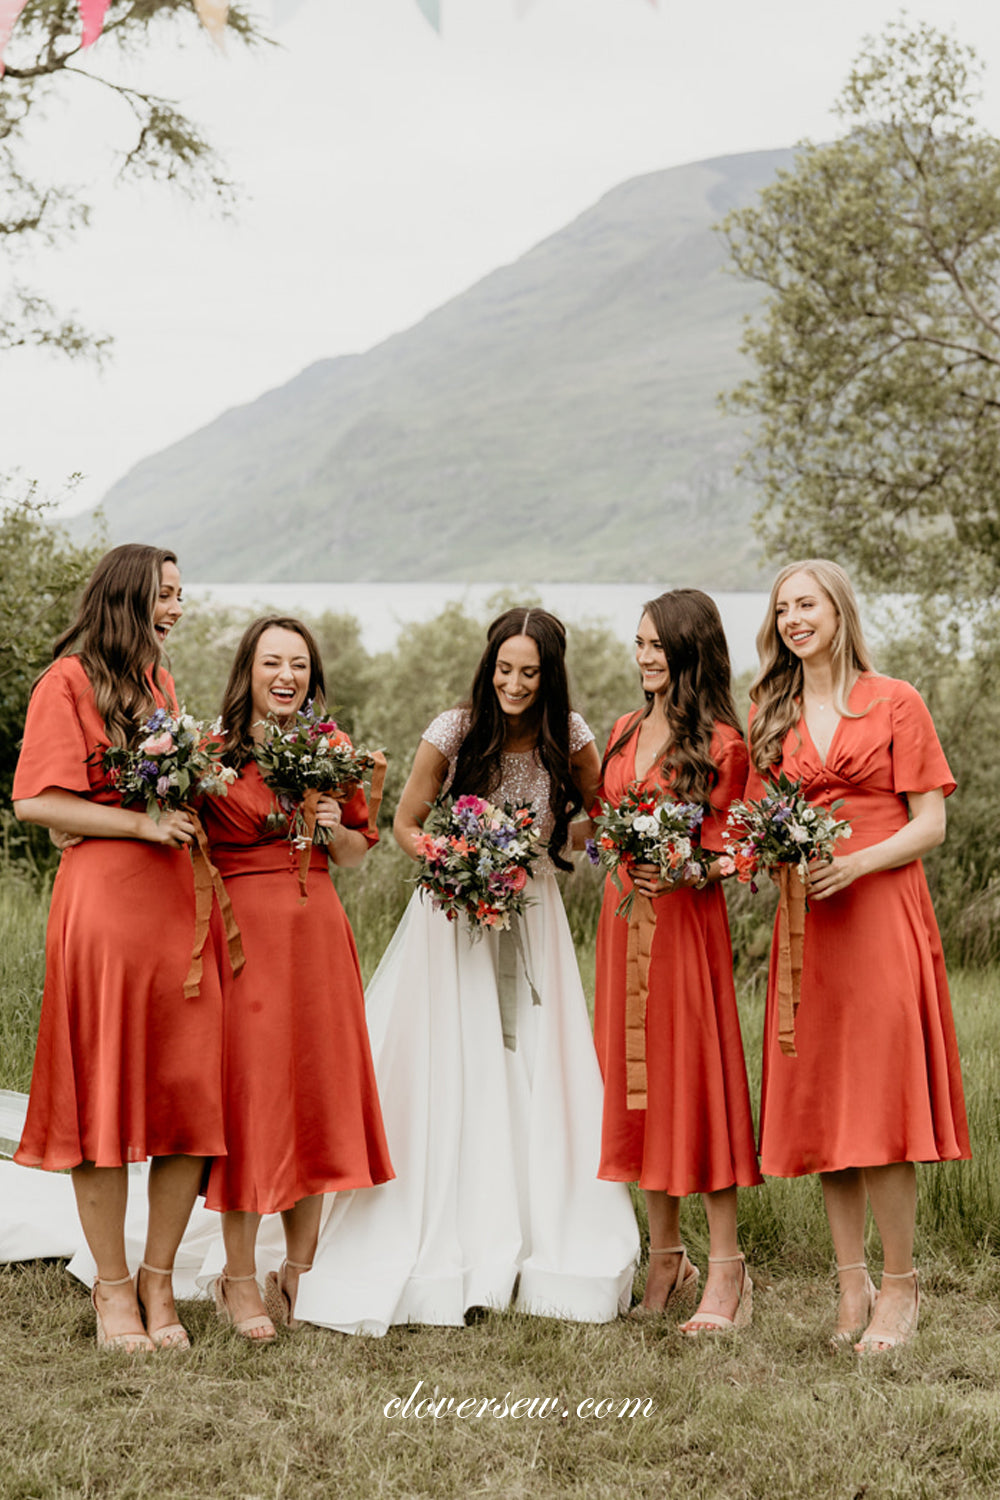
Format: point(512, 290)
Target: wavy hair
point(114, 638)
point(699, 694)
point(478, 767)
point(777, 688)
point(237, 700)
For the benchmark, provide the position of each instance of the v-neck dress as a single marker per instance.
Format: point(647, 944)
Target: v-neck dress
point(877, 1078)
point(126, 1066)
point(696, 1133)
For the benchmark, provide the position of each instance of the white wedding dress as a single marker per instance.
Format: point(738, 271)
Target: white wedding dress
point(496, 1197)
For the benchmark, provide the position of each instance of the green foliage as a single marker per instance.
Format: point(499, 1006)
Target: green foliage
point(44, 62)
point(876, 375)
point(41, 570)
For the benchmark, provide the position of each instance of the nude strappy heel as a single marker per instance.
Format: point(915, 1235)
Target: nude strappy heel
point(171, 1335)
point(844, 1336)
point(245, 1327)
point(878, 1343)
point(680, 1299)
point(705, 1322)
point(132, 1343)
point(277, 1300)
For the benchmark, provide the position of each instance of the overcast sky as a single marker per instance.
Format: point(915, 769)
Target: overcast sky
point(383, 170)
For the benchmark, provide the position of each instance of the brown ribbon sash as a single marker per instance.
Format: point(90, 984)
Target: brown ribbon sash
point(791, 941)
point(208, 883)
point(310, 806)
point(641, 926)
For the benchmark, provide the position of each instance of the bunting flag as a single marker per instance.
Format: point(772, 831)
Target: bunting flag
point(9, 12)
point(92, 16)
point(213, 14)
point(431, 10)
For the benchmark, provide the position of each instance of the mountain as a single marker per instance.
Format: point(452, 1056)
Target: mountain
point(557, 421)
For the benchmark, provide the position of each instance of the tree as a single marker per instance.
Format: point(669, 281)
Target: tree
point(876, 362)
point(44, 60)
point(41, 572)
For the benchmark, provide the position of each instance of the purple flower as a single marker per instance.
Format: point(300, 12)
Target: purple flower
point(148, 770)
point(591, 851)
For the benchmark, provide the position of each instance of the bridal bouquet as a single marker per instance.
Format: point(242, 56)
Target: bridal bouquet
point(476, 859)
point(782, 828)
point(647, 830)
point(308, 755)
point(176, 759)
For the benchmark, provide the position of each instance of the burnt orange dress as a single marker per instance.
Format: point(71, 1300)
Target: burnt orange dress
point(696, 1133)
point(877, 1076)
point(301, 1103)
point(125, 1066)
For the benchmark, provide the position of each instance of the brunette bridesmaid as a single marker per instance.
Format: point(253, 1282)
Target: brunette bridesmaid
point(126, 1066)
point(693, 1131)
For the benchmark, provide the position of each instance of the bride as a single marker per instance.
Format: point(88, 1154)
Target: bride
point(496, 1147)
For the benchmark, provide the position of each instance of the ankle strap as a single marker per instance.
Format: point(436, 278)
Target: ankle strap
point(899, 1275)
point(720, 1260)
point(156, 1270)
point(856, 1265)
point(119, 1281)
point(666, 1250)
point(298, 1265)
point(226, 1277)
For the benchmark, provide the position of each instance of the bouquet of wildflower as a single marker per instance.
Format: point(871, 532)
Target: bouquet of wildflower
point(309, 754)
point(176, 759)
point(782, 828)
point(645, 829)
point(477, 857)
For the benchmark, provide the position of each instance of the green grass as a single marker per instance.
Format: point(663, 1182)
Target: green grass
point(768, 1413)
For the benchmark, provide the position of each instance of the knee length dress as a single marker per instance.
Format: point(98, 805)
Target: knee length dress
point(876, 1079)
point(301, 1106)
point(496, 1151)
point(125, 1067)
point(696, 1133)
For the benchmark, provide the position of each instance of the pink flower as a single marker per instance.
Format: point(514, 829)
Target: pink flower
point(518, 878)
point(158, 744)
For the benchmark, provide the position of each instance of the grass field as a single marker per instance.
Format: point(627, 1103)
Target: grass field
point(767, 1413)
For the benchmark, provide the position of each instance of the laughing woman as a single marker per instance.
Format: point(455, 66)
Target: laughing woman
point(301, 1107)
point(126, 1066)
point(875, 1085)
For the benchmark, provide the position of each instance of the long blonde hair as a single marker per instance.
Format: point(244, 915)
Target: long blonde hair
point(777, 688)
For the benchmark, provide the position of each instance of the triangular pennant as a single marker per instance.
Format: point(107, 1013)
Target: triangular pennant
point(92, 16)
point(9, 12)
point(431, 9)
point(213, 14)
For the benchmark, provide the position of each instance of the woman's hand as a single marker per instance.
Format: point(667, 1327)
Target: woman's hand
point(64, 841)
point(649, 882)
point(828, 876)
point(328, 813)
point(175, 829)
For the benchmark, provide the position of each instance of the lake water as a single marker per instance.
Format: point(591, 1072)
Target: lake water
point(383, 608)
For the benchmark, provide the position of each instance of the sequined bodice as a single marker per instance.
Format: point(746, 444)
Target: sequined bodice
point(522, 776)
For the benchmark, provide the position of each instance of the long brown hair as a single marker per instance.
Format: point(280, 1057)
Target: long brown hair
point(237, 700)
point(777, 688)
point(478, 767)
point(114, 638)
point(699, 694)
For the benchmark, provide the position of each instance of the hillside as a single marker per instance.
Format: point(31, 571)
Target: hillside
point(556, 421)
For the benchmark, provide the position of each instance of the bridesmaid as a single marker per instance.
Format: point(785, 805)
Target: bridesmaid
point(301, 1108)
point(126, 1067)
point(695, 1132)
point(876, 1085)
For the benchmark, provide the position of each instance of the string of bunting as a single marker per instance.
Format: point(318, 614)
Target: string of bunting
point(211, 13)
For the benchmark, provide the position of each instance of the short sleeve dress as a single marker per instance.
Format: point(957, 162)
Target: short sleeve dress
point(696, 1133)
point(301, 1106)
point(496, 1150)
point(877, 1078)
point(125, 1067)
